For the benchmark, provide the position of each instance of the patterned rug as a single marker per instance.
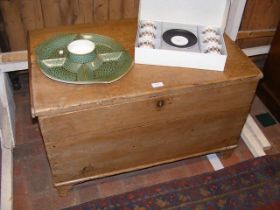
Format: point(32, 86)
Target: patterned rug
point(254, 184)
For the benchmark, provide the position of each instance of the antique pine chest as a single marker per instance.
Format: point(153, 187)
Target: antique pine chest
point(92, 131)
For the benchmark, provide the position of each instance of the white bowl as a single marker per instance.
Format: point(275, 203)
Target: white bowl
point(81, 47)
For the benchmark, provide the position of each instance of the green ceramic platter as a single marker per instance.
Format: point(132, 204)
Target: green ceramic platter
point(107, 63)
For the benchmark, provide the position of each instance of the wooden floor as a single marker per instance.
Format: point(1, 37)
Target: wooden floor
point(33, 188)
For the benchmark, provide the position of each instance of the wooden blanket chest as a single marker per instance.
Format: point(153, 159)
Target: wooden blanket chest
point(92, 131)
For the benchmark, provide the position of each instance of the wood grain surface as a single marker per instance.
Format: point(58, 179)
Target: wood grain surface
point(13, 24)
point(116, 138)
point(92, 131)
point(21, 16)
point(262, 16)
point(269, 89)
point(14, 57)
point(116, 9)
point(136, 83)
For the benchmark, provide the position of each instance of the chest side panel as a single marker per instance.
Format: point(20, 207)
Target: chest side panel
point(99, 142)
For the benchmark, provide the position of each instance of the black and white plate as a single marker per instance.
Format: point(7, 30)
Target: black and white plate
point(179, 38)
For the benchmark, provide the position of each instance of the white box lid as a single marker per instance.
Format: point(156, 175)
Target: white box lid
point(212, 13)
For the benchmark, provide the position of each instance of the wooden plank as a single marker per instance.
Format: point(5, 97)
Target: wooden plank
point(8, 112)
point(4, 39)
point(52, 13)
point(130, 8)
point(68, 12)
point(256, 42)
point(261, 14)
point(258, 133)
point(16, 66)
point(6, 178)
point(101, 10)
point(75, 12)
point(138, 146)
point(31, 14)
point(11, 106)
point(13, 24)
point(270, 85)
point(2, 108)
point(176, 107)
point(86, 9)
point(256, 34)
point(115, 9)
point(66, 185)
point(253, 51)
point(250, 140)
point(10, 57)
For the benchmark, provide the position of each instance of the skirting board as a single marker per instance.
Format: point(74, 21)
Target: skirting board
point(7, 120)
point(16, 66)
point(251, 141)
point(215, 162)
point(258, 133)
point(6, 178)
point(257, 50)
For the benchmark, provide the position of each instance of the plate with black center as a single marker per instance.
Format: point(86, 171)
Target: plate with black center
point(179, 38)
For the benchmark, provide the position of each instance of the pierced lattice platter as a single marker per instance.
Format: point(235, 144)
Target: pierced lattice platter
point(106, 62)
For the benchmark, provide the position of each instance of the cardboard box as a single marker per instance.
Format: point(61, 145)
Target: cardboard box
point(195, 16)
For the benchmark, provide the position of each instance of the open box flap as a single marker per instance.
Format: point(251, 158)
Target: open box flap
point(194, 12)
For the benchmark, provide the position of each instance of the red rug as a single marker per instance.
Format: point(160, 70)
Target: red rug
point(254, 184)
